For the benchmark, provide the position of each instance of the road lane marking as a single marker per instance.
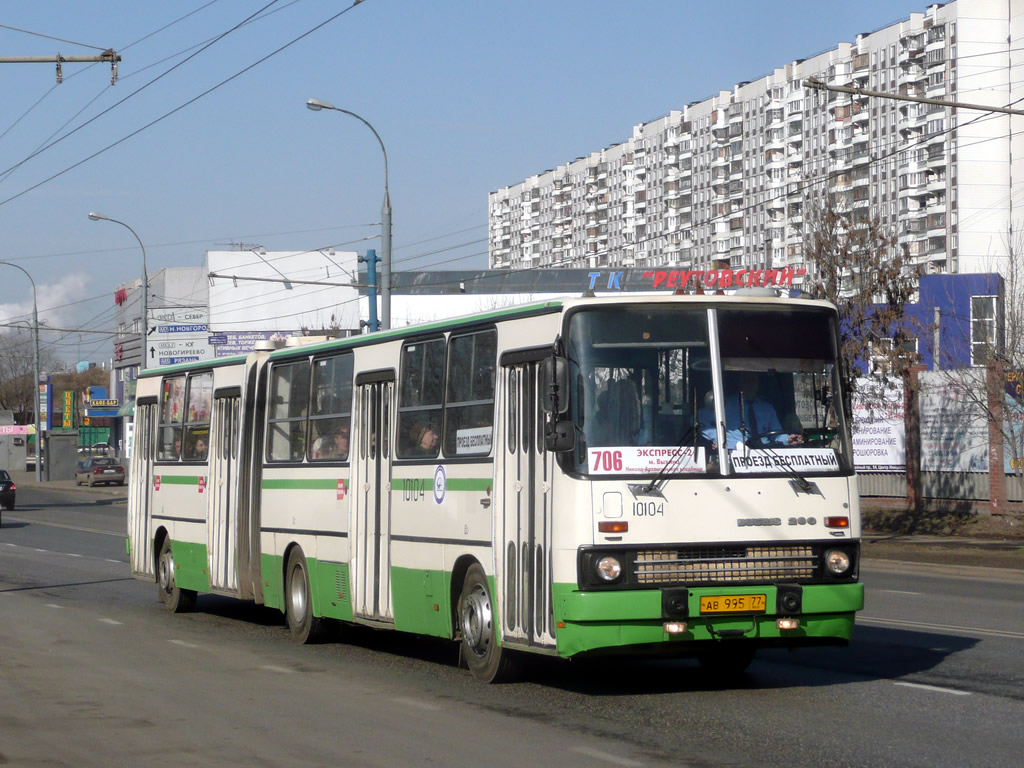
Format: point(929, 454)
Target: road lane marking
point(951, 628)
point(608, 758)
point(110, 621)
point(896, 591)
point(282, 670)
point(71, 527)
point(183, 643)
point(52, 605)
point(934, 688)
point(416, 703)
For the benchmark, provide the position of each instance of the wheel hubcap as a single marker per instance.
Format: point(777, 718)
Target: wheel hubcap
point(167, 571)
point(476, 620)
point(297, 594)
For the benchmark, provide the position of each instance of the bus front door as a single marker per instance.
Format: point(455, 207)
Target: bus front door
point(370, 527)
point(223, 526)
point(140, 501)
point(527, 525)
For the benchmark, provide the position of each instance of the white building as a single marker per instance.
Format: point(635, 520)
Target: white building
point(729, 179)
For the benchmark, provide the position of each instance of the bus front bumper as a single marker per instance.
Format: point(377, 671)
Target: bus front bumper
point(621, 621)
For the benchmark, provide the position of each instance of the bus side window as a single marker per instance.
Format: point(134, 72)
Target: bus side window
point(420, 399)
point(289, 405)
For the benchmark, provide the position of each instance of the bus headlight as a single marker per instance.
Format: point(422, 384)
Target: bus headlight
point(608, 568)
point(837, 562)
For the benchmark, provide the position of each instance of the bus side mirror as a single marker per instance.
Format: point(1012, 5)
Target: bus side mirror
point(559, 436)
point(555, 385)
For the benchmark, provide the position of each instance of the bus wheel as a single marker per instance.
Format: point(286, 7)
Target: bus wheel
point(304, 626)
point(487, 660)
point(175, 599)
point(727, 661)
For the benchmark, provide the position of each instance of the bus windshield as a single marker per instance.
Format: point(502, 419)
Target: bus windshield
point(653, 394)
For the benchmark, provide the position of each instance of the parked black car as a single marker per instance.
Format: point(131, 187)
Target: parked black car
point(7, 489)
point(98, 470)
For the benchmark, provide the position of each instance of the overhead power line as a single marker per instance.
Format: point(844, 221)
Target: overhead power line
point(820, 86)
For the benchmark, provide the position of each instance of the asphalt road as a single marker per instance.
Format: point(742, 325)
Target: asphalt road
point(94, 672)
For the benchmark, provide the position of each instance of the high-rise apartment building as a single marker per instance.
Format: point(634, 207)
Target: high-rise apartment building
point(730, 179)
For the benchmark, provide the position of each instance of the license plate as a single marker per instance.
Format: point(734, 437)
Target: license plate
point(732, 604)
point(108, 471)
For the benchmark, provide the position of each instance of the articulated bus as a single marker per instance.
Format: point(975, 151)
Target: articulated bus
point(629, 475)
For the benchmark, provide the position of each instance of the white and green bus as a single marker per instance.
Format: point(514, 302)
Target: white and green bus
point(631, 475)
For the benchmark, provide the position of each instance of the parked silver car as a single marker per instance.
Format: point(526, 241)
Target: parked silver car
point(99, 470)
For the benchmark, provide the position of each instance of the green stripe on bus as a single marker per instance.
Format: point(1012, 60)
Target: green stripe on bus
point(303, 484)
point(179, 479)
point(451, 484)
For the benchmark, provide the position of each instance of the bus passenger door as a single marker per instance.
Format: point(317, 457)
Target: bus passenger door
point(140, 502)
point(526, 515)
point(370, 527)
point(223, 522)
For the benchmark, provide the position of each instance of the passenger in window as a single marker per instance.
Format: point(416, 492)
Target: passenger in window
point(332, 446)
point(201, 448)
point(425, 440)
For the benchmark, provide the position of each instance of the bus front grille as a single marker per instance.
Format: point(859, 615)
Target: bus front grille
point(724, 565)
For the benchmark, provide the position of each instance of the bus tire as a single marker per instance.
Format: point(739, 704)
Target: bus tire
point(175, 599)
point(298, 602)
point(486, 659)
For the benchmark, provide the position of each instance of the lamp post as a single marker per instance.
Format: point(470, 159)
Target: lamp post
point(145, 287)
point(385, 216)
point(35, 365)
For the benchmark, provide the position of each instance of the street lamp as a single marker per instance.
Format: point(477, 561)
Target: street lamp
point(145, 286)
point(385, 216)
point(35, 362)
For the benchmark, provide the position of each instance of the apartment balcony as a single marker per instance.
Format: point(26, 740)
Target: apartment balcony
point(936, 160)
point(841, 161)
point(936, 182)
point(861, 154)
point(911, 76)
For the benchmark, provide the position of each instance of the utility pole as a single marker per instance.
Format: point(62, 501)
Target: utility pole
point(109, 55)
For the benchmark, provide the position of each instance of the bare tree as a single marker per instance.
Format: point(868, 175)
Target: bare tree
point(17, 374)
point(858, 264)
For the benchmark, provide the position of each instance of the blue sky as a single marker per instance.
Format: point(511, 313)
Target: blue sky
point(467, 97)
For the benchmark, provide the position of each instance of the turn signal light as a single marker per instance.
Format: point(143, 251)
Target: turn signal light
point(837, 522)
point(612, 526)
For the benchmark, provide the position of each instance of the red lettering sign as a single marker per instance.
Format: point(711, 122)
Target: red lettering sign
point(677, 279)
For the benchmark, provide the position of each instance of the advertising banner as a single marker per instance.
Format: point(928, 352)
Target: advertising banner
point(879, 435)
point(954, 428)
point(1013, 416)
